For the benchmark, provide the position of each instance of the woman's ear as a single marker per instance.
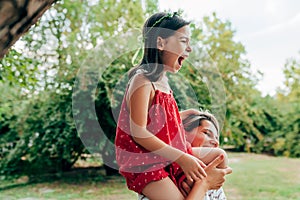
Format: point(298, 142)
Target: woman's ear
point(160, 43)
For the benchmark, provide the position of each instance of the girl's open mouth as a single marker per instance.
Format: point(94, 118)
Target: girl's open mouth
point(180, 60)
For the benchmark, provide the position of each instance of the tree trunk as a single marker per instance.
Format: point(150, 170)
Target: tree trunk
point(16, 17)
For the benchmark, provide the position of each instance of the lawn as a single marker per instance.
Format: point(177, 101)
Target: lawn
point(255, 177)
point(261, 177)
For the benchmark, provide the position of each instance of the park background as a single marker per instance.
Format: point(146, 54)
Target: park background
point(51, 146)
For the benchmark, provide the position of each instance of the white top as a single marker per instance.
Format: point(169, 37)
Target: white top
point(210, 195)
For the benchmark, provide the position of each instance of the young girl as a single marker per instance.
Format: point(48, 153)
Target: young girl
point(151, 148)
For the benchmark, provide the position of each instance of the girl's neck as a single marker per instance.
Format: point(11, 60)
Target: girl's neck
point(162, 84)
point(163, 78)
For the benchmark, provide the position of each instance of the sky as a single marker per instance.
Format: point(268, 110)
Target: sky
point(269, 30)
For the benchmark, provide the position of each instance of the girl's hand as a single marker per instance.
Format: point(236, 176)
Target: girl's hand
point(192, 167)
point(215, 177)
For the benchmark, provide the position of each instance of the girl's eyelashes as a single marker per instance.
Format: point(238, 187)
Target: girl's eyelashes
point(184, 39)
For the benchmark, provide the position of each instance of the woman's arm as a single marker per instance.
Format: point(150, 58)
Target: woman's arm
point(208, 154)
point(215, 179)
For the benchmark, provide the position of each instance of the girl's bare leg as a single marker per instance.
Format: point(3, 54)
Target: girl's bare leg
point(163, 189)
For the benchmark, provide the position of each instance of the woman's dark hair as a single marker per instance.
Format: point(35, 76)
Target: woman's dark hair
point(193, 121)
point(160, 24)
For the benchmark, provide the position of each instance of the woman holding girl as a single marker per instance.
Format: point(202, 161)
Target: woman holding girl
point(151, 146)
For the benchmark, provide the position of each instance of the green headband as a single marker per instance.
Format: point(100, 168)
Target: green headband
point(169, 15)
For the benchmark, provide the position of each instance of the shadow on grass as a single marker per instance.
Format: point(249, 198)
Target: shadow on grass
point(74, 176)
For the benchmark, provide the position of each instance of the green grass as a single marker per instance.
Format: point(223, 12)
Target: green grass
point(257, 177)
point(71, 188)
point(254, 177)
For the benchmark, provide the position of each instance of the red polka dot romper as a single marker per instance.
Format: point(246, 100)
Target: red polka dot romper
point(138, 165)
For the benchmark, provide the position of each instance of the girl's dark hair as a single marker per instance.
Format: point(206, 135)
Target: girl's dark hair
point(160, 24)
point(193, 121)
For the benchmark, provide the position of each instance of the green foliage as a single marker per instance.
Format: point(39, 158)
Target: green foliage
point(40, 131)
point(292, 79)
point(8, 116)
point(47, 137)
point(18, 80)
point(42, 125)
point(288, 99)
point(19, 71)
point(221, 61)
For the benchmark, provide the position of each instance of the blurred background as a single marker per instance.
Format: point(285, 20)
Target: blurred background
point(61, 85)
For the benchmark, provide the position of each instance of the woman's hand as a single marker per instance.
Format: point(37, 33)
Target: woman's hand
point(215, 177)
point(192, 167)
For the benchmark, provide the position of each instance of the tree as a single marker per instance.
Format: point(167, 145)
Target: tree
point(225, 75)
point(17, 17)
point(61, 43)
point(287, 142)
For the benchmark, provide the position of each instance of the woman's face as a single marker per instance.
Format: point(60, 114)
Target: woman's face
point(175, 49)
point(205, 135)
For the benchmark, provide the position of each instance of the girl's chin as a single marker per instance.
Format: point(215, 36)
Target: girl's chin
point(177, 69)
point(174, 69)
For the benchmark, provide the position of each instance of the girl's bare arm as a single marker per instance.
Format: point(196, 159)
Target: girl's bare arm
point(139, 100)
